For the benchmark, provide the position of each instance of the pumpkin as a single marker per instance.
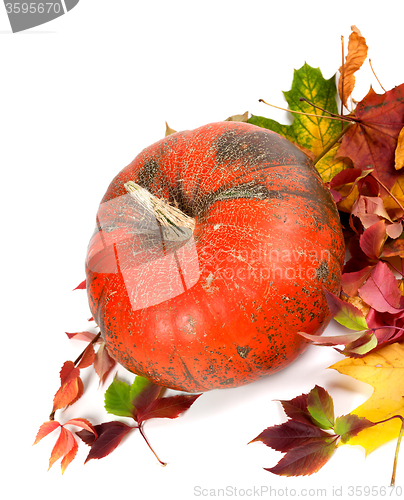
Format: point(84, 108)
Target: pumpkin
point(210, 254)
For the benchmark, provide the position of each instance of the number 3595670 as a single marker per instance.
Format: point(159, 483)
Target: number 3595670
point(33, 8)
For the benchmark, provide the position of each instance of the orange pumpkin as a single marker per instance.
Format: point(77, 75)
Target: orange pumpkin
point(203, 278)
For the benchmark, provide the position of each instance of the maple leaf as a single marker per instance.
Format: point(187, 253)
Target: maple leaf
point(371, 142)
point(357, 53)
point(384, 371)
point(313, 133)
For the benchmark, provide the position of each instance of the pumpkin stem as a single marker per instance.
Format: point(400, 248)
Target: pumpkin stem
point(175, 225)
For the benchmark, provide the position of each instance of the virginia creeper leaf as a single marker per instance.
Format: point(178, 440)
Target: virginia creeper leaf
point(110, 434)
point(372, 239)
point(321, 407)
point(143, 398)
point(88, 357)
point(117, 399)
point(169, 407)
point(86, 336)
point(45, 429)
point(71, 386)
point(296, 409)
point(83, 423)
point(345, 313)
point(305, 460)
point(289, 435)
point(349, 426)
point(103, 363)
point(81, 286)
point(72, 446)
point(381, 290)
point(351, 282)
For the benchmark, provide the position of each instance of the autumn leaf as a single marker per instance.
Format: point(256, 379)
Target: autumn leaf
point(357, 53)
point(331, 164)
point(289, 435)
point(66, 446)
point(348, 426)
point(71, 387)
point(81, 286)
point(399, 152)
point(110, 434)
point(345, 313)
point(371, 142)
point(384, 371)
point(103, 362)
point(321, 407)
point(381, 290)
point(305, 460)
point(313, 133)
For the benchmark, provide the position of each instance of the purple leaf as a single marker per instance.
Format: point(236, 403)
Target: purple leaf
point(170, 407)
point(305, 460)
point(290, 434)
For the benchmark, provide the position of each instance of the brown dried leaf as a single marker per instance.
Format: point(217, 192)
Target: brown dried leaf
point(357, 53)
point(399, 154)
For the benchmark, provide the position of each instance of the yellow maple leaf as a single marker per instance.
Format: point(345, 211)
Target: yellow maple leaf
point(383, 370)
point(330, 164)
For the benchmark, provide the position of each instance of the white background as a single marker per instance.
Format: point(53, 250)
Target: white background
point(80, 98)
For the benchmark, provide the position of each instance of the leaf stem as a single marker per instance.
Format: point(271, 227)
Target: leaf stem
point(337, 117)
point(320, 108)
point(140, 427)
point(400, 435)
point(388, 192)
point(333, 142)
point(373, 71)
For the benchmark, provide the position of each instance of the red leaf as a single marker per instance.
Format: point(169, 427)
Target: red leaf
point(110, 434)
point(381, 290)
point(84, 424)
point(45, 429)
point(349, 426)
point(103, 363)
point(88, 357)
point(372, 239)
point(86, 336)
point(63, 446)
point(145, 398)
point(321, 407)
point(290, 434)
point(71, 386)
point(351, 282)
point(305, 460)
point(70, 455)
point(296, 408)
point(170, 407)
point(372, 142)
point(82, 286)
